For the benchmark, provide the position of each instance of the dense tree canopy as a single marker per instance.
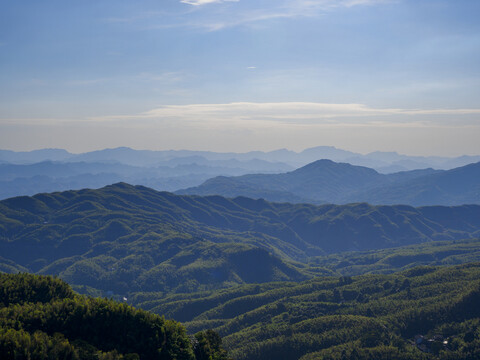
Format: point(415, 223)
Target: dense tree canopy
point(359, 317)
point(41, 318)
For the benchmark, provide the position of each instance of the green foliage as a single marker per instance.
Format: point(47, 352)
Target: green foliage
point(123, 239)
point(358, 317)
point(41, 318)
point(24, 288)
point(385, 261)
point(247, 269)
point(208, 346)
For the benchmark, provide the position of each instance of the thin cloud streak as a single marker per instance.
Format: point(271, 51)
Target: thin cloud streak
point(205, 2)
point(291, 112)
point(223, 16)
point(224, 127)
point(283, 113)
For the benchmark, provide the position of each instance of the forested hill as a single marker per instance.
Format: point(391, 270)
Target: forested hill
point(41, 318)
point(123, 238)
point(424, 313)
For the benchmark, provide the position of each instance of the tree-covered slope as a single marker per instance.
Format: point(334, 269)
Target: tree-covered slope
point(386, 261)
point(41, 318)
point(123, 238)
point(361, 317)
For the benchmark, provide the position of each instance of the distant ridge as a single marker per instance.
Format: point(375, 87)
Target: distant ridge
point(48, 170)
point(325, 181)
point(383, 162)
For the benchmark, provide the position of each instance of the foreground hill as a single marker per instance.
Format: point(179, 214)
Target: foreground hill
point(325, 181)
point(123, 239)
point(41, 318)
point(362, 317)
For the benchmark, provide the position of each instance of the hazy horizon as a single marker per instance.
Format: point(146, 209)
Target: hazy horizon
point(237, 152)
point(241, 75)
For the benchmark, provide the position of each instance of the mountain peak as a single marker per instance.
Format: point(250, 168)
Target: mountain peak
point(326, 164)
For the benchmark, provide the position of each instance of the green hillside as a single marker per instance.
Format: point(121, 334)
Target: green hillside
point(274, 280)
point(41, 318)
point(360, 317)
point(123, 239)
point(386, 261)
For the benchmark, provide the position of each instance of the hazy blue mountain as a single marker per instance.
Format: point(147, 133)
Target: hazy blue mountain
point(65, 169)
point(325, 152)
point(406, 162)
point(28, 157)
point(123, 155)
point(325, 181)
point(384, 162)
point(340, 183)
point(402, 176)
point(168, 175)
point(451, 187)
point(238, 186)
point(253, 165)
point(320, 181)
point(50, 176)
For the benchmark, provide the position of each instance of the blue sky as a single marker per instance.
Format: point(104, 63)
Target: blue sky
point(364, 75)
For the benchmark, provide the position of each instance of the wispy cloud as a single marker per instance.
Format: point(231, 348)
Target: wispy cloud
point(272, 10)
point(204, 2)
point(289, 113)
point(293, 113)
point(233, 13)
point(246, 126)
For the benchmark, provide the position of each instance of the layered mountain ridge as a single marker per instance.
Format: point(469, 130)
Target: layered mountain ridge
point(325, 181)
point(48, 170)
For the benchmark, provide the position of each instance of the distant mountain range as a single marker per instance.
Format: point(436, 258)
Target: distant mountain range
point(59, 170)
point(325, 181)
point(383, 162)
point(48, 170)
point(123, 238)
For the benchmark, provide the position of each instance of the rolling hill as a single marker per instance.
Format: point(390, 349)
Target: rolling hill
point(124, 238)
point(361, 317)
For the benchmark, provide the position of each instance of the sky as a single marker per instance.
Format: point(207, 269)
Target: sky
point(241, 75)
